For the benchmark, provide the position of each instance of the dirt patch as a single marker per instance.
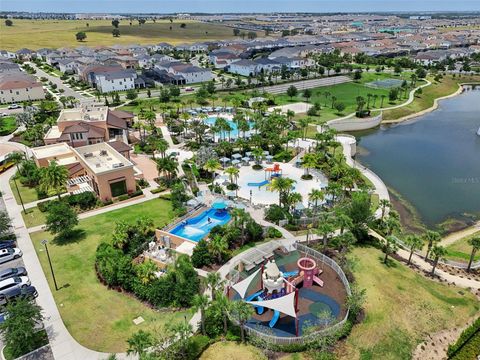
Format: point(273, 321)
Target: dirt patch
point(435, 346)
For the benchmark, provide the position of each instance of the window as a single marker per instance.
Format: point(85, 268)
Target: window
point(118, 188)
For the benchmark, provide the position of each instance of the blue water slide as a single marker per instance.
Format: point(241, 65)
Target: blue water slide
point(258, 184)
point(253, 296)
point(290, 273)
point(276, 316)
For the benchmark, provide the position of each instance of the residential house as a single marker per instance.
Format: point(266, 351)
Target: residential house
point(243, 67)
point(84, 126)
point(116, 81)
point(16, 87)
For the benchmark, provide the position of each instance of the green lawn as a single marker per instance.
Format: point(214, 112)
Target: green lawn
point(402, 308)
point(35, 34)
point(347, 94)
point(8, 125)
point(233, 351)
point(34, 217)
point(28, 194)
point(447, 86)
point(461, 250)
point(99, 318)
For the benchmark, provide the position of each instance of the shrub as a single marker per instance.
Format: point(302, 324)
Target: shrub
point(43, 205)
point(467, 335)
point(201, 255)
point(257, 167)
point(273, 233)
point(274, 214)
point(306, 177)
point(85, 200)
point(136, 193)
point(123, 197)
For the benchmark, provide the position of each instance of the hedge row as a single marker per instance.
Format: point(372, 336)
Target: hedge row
point(469, 334)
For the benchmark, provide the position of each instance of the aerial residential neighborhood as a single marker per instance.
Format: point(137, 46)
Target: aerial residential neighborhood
point(226, 180)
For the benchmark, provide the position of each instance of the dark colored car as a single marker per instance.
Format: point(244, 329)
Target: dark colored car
point(5, 244)
point(11, 272)
point(11, 294)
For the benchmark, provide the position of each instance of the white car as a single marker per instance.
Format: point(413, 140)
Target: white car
point(9, 254)
point(14, 106)
point(17, 281)
point(3, 114)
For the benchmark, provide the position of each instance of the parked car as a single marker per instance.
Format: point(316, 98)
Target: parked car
point(189, 88)
point(3, 114)
point(14, 106)
point(13, 293)
point(9, 254)
point(5, 244)
point(16, 281)
point(11, 272)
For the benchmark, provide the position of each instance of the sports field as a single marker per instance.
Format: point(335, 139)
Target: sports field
point(36, 34)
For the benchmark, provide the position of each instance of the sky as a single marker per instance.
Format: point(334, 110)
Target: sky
point(232, 6)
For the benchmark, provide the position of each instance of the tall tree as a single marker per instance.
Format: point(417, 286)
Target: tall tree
point(474, 242)
point(438, 252)
point(414, 243)
point(53, 178)
point(200, 303)
point(431, 238)
point(389, 247)
point(241, 311)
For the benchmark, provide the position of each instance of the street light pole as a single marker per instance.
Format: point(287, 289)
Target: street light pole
point(44, 242)
point(19, 195)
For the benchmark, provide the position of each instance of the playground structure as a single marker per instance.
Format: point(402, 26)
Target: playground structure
point(273, 172)
point(280, 290)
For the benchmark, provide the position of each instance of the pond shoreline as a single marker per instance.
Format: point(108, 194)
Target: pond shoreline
point(434, 107)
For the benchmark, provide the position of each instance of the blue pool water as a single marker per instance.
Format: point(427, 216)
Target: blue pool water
point(224, 134)
point(198, 227)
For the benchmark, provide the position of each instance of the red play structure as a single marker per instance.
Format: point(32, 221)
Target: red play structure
point(274, 171)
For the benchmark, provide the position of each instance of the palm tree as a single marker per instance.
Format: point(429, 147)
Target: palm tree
point(224, 305)
point(384, 204)
point(325, 229)
point(282, 185)
point(242, 312)
point(214, 282)
point(303, 123)
point(160, 145)
point(257, 154)
point(212, 165)
point(146, 271)
point(343, 221)
point(232, 172)
point(139, 342)
point(389, 247)
point(16, 157)
point(200, 303)
point(383, 96)
point(438, 253)
point(309, 161)
point(414, 243)
point(218, 246)
point(53, 177)
point(431, 238)
point(475, 243)
point(293, 199)
point(168, 165)
point(327, 95)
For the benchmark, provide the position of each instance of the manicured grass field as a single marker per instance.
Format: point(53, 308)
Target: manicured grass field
point(402, 307)
point(448, 85)
point(347, 94)
point(36, 34)
point(8, 125)
point(99, 318)
point(232, 351)
point(461, 250)
point(28, 194)
point(34, 217)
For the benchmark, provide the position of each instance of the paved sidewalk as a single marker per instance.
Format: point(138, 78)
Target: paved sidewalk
point(64, 346)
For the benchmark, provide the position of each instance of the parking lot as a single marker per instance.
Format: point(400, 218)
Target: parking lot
point(45, 353)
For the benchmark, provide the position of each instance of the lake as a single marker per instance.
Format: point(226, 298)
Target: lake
point(433, 161)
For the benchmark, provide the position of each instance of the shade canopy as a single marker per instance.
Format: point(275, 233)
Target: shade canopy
point(284, 304)
point(246, 158)
point(224, 159)
point(236, 156)
point(235, 162)
point(242, 286)
point(269, 157)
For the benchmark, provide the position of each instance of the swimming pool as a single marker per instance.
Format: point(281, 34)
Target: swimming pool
point(196, 228)
point(233, 125)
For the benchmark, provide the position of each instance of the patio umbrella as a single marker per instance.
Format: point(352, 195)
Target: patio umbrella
point(299, 206)
point(269, 157)
point(246, 158)
point(224, 160)
point(192, 202)
point(230, 193)
point(248, 153)
point(219, 204)
point(236, 156)
point(235, 162)
point(266, 152)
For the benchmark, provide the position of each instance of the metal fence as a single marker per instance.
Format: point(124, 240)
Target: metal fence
point(280, 340)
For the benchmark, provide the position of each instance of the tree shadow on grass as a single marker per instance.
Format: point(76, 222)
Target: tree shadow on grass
point(390, 262)
point(74, 236)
